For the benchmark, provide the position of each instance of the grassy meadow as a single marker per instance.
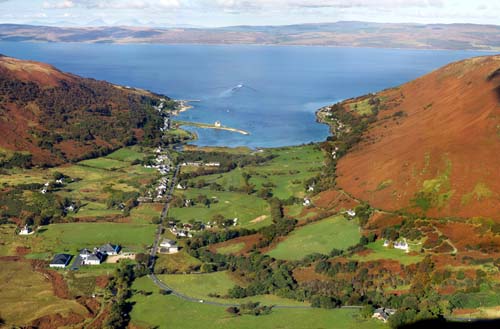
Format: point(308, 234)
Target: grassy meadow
point(180, 262)
point(378, 251)
point(230, 204)
point(156, 310)
point(91, 181)
point(287, 172)
point(201, 286)
point(318, 237)
point(70, 237)
point(33, 296)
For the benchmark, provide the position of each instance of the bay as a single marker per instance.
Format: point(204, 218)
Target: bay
point(270, 91)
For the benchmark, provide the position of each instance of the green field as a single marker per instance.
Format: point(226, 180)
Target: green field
point(231, 248)
point(93, 179)
point(172, 312)
point(128, 154)
point(200, 286)
point(104, 163)
point(362, 107)
point(230, 204)
point(71, 237)
point(381, 252)
point(320, 237)
point(287, 172)
point(145, 213)
point(180, 262)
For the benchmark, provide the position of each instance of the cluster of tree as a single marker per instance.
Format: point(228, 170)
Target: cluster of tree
point(206, 238)
point(363, 213)
point(250, 308)
point(342, 141)
point(34, 209)
point(20, 160)
point(122, 200)
point(179, 201)
point(119, 288)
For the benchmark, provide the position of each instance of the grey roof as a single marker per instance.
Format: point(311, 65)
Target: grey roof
point(61, 259)
point(109, 248)
point(85, 252)
point(172, 243)
point(97, 256)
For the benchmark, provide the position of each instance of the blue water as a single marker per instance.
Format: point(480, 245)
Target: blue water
point(282, 86)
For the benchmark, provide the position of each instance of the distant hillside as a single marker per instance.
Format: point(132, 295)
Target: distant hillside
point(48, 117)
point(342, 34)
point(434, 147)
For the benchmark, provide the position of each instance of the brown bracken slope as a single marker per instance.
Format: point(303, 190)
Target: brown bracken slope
point(435, 149)
point(48, 117)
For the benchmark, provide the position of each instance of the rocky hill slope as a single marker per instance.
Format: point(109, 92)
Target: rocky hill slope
point(433, 146)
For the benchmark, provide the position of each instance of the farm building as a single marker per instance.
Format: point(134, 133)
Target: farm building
point(60, 261)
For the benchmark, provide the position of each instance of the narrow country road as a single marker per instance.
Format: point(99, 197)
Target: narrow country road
point(164, 212)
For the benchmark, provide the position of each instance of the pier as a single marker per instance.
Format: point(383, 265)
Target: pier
point(211, 126)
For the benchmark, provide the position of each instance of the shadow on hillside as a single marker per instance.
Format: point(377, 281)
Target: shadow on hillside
point(443, 324)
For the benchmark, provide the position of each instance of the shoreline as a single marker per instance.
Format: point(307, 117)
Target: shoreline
point(184, 105)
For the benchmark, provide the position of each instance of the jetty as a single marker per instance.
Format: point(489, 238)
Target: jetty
point(211, 126)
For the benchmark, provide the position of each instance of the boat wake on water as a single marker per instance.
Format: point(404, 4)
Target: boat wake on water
point(239, 87)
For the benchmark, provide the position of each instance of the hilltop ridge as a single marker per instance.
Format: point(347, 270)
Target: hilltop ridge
point(338, 34)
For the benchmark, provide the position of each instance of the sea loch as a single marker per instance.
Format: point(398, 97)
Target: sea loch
point(271, 92)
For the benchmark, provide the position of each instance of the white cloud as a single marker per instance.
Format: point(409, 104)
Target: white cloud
point(366, 3)
point(58, 4)
point(111, 4)
point(263, 12)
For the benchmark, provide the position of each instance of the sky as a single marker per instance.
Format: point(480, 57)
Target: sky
point(214, 13)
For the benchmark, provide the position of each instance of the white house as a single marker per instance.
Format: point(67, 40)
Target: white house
point(184, 234)
point(180, 187)
point(306, 202)
point(383, 314)
point(386, 243)
point(91, 258)
point(212, 164)
point(218, 124)
point(402, 245)
point(350, 213)
point(26, 230)
point(169, 246)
